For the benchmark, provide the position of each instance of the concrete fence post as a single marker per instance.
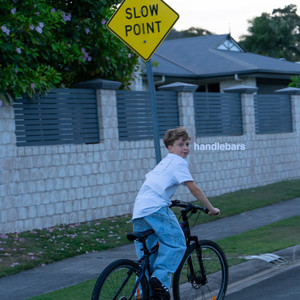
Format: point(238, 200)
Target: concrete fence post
point(107, 108)
point(185, 104)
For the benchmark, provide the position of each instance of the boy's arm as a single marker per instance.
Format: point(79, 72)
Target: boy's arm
point(199, 195)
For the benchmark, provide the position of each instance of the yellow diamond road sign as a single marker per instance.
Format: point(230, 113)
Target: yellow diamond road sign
point(142, 24)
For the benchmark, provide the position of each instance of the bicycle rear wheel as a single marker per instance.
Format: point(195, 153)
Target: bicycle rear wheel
point(188, 282)
point(118, 280)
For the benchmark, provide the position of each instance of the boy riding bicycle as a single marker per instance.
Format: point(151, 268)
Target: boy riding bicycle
point(151, 210)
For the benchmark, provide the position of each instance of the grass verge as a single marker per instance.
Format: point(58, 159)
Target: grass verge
point(266, 239)
point(269, 238)
point(26, 250)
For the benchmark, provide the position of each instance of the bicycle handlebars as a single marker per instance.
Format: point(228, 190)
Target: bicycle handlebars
point(189, 207)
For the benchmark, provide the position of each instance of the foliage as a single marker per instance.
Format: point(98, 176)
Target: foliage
point(192, 31)
point(46, 44)
point(276, 35)
point(295, 81)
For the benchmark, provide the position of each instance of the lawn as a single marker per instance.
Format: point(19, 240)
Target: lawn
point(26, 250)
point(266, 239)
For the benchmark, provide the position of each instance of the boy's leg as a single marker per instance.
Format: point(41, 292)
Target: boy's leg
point(141, 225)
point(172, 244)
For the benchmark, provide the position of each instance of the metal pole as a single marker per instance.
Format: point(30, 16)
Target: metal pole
point(153, 111)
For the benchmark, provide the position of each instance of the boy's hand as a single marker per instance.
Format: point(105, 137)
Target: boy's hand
point(199, 195)
point(214, 212)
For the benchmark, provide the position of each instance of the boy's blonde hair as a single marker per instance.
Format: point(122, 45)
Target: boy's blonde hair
point(175, 134)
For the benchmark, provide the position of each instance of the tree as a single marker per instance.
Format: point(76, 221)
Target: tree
point(57, 43)
point(276, 35)
point(192, 31)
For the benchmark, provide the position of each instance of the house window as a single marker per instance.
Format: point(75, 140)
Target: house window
point(209, 88)
point(230, 45)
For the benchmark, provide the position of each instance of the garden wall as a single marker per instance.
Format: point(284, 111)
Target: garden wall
point(47, 185)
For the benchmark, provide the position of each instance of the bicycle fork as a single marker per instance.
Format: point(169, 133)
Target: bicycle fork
point(203, 279)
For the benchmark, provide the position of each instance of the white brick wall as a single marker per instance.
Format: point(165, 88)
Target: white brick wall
point(44, 186)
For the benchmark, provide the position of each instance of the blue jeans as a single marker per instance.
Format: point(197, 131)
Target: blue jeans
point(171, 240)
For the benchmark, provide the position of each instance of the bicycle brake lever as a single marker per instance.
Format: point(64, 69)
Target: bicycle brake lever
point(174, 202)
point(206, 210)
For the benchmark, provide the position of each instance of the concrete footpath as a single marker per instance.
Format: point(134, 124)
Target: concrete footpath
point(88, 266)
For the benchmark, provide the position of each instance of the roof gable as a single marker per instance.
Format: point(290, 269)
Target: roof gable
point(230, 45)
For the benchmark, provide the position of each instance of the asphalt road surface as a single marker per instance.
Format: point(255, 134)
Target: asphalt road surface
point(283, 284)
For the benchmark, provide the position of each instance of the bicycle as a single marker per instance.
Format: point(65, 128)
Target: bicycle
point(202, 273)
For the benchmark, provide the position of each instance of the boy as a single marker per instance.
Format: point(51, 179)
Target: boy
point(151, 210)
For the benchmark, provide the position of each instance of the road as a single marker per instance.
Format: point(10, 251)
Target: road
point(280, 284)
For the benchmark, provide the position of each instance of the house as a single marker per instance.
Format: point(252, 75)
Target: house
point(216, 62)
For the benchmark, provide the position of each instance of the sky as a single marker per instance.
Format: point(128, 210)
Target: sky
point(223, 16)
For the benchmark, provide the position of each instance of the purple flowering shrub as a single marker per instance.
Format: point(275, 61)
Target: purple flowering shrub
point(46, 44)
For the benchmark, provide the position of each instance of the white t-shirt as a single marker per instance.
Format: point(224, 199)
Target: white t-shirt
point(160, 185)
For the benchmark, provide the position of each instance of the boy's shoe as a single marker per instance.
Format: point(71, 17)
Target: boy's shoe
point(159, 290)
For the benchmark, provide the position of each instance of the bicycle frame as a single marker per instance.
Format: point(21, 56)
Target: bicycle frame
point(189, 239)
point(144, 264)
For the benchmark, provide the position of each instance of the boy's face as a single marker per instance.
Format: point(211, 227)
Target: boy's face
point(180, 147)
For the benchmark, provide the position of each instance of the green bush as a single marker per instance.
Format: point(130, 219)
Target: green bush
point(295, 81)
point(46, 44)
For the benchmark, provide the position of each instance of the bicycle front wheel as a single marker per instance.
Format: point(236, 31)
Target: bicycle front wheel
point(118, 282)
point(188, 282)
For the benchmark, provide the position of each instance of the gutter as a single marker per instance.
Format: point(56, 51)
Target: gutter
point(163, 79)
point(237, 78)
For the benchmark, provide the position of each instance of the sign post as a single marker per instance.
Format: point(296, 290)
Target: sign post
point(153, 111)
point(142, 25)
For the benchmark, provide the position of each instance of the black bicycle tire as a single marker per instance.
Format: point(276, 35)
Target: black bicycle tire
point(204, 244)
point(113, 267)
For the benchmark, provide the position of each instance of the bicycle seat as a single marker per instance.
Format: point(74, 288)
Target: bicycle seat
point(139, 235)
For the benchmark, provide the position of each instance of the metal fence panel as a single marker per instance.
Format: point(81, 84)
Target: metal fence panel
point(63, 116)
point(134, 114)
point(273, 113)
point(218, 114)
